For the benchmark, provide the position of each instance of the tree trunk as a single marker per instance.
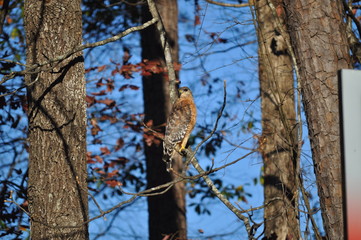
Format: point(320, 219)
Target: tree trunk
point(167, 211)
point(278, 143)
point(57, 187)
point(318, 35)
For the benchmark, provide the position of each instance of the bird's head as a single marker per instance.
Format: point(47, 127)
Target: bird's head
point(185, 92)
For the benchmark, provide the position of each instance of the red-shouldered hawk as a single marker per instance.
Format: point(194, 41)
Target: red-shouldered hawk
point(181, 122)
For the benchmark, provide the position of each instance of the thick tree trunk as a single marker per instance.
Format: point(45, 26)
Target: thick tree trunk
point(278, 143)
point(57, 121)
point(167, 211)
point(318, 35)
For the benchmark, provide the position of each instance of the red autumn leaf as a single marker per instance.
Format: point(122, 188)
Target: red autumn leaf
point(108, 117)
point(98, 158)
point(120, 144)
point(95, 130)
point(212, 35)
point(222, 40)
point(90, 69)
point(128, 70)
point(25, 203)
point(146, 74)
point(89, 158)
point(90, 100)
point(101, 93)
point(105, 150)
point(115, 71)
point(112, 173)
point(149, 123)
point(99, 83)
point(120, 161)
point(154, 66)
point(125, 86)
point(111, 164)
point(101, 172)
point(197, 20)
point(113, 183)
point(133, 87)
point(23, 228)
point(110, 85)
point(9, 20)
point(108, 102)
point(101, 68)
point(177, 66)
point(148, 139)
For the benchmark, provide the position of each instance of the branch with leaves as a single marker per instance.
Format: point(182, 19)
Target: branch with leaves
point(37, 68)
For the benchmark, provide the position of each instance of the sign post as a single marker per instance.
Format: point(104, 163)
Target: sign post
point(350, 90)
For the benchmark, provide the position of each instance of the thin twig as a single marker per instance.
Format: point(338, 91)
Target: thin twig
point(310, 213)
point(18, 205)
point(223, 199)
point(26, 85)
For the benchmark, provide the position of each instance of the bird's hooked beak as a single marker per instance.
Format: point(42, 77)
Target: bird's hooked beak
point(180, 91)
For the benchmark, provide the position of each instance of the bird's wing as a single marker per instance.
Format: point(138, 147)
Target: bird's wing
point(177, 126)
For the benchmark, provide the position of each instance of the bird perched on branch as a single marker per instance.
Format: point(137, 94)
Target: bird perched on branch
point(181, 122)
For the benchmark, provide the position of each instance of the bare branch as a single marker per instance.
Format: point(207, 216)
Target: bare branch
point(221, 197)
point(309, 210)
point(36, 68)
point(26, 85)
point(18, 205)
point(10, 61)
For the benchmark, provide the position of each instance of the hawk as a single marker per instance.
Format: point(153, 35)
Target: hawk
point(180, 124)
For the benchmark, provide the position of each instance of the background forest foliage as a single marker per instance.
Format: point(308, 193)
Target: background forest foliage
point(261, 151)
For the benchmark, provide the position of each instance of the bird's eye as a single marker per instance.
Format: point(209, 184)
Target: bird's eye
point(186, 90)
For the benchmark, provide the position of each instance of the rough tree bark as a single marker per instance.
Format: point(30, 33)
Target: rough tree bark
point(318, 36)
point(278, 143)
point(57, 187)
point(167, 211)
